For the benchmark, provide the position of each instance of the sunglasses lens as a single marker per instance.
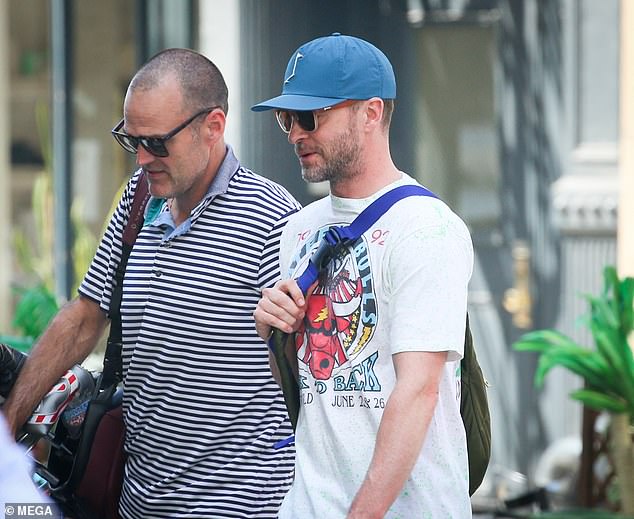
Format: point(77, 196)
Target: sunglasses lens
point(128, 143)
point(285, 120)
point(306, 119)
point(155, 146)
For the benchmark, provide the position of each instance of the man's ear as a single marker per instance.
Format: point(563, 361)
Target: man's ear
point(214, 125)
point(374, 111)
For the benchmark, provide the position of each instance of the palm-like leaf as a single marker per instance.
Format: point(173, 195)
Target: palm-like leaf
point(608, 371)
point(600, 401)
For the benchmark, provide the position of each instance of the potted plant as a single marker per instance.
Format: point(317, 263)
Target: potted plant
point(607, 370)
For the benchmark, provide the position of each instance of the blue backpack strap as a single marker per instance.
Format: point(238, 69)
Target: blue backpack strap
point(337, 236)
point(368, 217)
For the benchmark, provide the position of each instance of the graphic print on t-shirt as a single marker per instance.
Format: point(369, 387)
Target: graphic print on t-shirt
point(341, 314)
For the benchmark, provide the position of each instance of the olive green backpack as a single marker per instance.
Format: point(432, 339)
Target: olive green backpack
point(474, 408)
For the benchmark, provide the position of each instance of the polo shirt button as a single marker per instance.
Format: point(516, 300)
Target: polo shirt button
point(158, 273)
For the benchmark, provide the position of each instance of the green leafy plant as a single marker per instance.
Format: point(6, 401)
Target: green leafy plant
point(35, 308)
point(607, 370)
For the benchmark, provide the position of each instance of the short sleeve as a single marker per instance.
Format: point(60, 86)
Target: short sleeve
point(427, 276)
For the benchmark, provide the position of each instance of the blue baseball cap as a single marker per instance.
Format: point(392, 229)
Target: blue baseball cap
point(332, 69)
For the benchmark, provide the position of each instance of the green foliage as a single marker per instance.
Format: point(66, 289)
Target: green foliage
point(33, 251)
point(608, 370)
point(35, 309)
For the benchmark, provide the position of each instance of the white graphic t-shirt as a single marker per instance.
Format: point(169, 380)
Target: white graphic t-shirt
point(401, 287)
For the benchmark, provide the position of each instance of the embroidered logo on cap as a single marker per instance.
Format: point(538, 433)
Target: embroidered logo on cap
point(298, 56)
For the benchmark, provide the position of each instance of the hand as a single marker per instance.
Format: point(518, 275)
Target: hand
point(282, 307)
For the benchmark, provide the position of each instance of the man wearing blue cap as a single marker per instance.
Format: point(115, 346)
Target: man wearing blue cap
point(379, 339)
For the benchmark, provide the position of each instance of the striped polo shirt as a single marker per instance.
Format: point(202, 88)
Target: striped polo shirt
point(202, 411)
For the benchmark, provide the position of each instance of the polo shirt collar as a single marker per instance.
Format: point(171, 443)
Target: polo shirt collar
point(220, 183)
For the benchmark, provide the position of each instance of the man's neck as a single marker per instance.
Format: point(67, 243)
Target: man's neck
point(365, 185)
point(375, 169)
point(181, 206)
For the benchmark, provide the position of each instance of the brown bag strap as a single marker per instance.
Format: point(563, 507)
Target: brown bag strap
point(112, 366)
point(135, 221)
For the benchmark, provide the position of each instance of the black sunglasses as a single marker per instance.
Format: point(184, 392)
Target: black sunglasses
point(154, 145)
point(307, 119)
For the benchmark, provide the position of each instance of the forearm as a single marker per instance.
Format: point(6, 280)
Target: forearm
point(69, 338)
point(401, 433)
point(398, 444)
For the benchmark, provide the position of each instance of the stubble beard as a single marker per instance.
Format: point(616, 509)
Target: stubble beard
point(180, 177)
point(341, 161)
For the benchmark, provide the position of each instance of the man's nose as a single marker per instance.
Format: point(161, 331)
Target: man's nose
point(143, 156)
point(297, 132)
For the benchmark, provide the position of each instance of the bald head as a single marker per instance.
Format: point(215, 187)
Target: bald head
point(201, 83)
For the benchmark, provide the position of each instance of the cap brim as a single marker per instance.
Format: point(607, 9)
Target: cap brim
point(296, 102)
